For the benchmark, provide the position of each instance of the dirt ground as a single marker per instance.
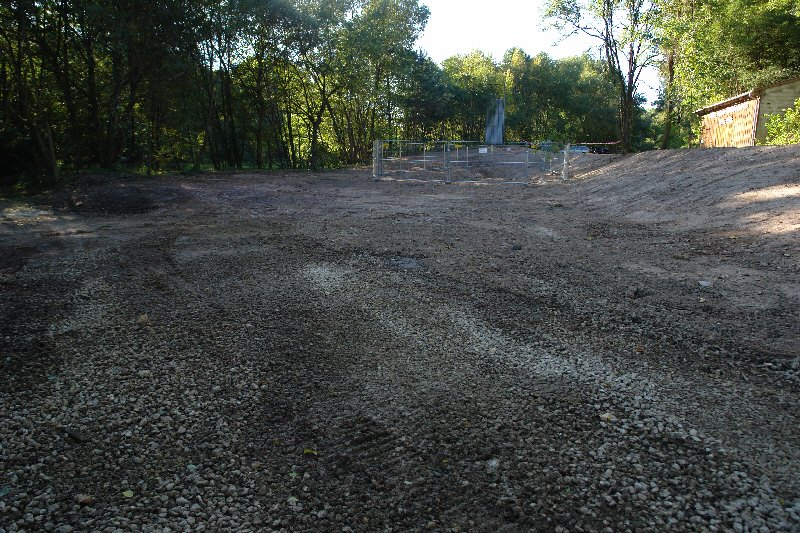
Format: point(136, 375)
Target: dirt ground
point(325, 352)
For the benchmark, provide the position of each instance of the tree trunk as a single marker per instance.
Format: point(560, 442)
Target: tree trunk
point(669, 105)
point(316, 123)
point(46, 147)
point(290, 135)
point(316, 156)
point(260, 114)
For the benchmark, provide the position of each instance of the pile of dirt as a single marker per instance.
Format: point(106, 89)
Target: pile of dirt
point(755, 190)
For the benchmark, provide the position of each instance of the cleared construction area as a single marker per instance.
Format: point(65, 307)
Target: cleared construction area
point(313, 352)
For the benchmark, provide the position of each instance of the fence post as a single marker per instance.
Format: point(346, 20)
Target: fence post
point(565, 171)
point(446, 166)
point(376, 159)
point(527, 161)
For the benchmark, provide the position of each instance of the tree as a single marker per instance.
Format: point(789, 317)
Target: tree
point(380, 59)
point(426, 100)
point(715, 50)
point(784, 128)
point(273, 33)
point(625, 30)
point(27, 105)
point(318, 66)
point(475, 83)
point(566, 100)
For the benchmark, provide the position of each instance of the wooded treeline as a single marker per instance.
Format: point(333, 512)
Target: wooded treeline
point(175, 84)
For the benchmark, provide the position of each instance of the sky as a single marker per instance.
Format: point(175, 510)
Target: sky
point(461, 26)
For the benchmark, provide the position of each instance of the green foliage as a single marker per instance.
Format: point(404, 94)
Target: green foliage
point(566, 100)
point(427, 100)
point(475, 83)
point(725, 47)
point(625, 31)
point(168, 85)
point(784, 128)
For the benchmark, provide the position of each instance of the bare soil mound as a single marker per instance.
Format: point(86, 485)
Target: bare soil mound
point(756, 190)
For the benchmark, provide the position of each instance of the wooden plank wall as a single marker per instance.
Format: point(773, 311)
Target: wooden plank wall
point(732, 126)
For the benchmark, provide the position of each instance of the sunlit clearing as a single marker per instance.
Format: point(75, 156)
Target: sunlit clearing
point(769, 193)
point(783, 221)
point(778, 208)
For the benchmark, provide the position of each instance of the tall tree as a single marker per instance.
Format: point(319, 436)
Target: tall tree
point(27, 105)
point(475, 83)
point(426, 100)
point(274, 30)
point(319, 65)
point(624, 28)
point(378, 48)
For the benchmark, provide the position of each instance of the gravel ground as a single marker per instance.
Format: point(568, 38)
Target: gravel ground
point(300, 352)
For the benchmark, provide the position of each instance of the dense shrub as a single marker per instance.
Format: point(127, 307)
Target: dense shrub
point(784, 128)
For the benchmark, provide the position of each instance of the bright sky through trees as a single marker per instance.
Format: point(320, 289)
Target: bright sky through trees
point(459, 27)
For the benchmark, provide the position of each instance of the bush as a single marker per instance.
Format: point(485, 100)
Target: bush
point(784, 128)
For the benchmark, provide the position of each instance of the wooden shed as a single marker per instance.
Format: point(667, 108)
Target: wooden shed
point(740, 121)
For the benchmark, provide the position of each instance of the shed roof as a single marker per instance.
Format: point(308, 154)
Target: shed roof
point(749, 95)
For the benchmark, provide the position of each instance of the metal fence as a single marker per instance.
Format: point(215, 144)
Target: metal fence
point(451, 161)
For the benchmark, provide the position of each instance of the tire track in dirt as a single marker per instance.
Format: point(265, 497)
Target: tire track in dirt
point(643, 405)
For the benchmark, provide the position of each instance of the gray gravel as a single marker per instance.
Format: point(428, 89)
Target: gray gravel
point(325, 353)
